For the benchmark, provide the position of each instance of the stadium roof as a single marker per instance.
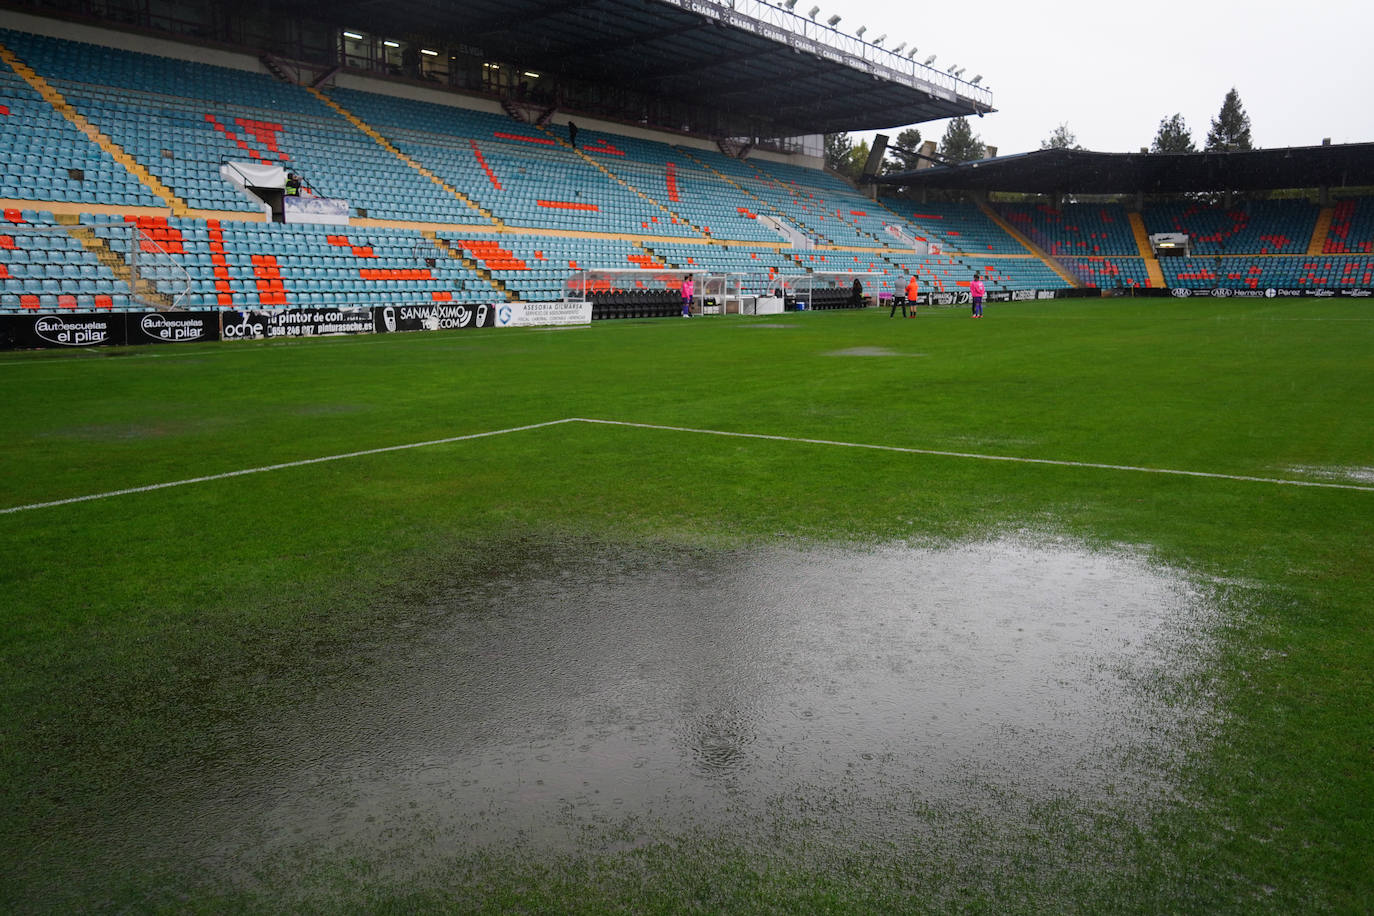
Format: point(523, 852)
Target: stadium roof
point(748, 58)
point(1080, 171)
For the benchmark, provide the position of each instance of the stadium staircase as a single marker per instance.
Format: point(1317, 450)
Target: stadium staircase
point(386, 144)
point(470, 263)
point(1321, 231)
point(1033, 248)
point(650, 260)
point(1142, 242)
point(55, 99)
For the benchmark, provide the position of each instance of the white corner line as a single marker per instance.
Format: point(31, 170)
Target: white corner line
point(980, 457)
point(280, 467)
point(899, 449)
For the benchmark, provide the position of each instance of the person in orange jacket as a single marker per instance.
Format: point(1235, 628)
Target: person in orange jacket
point(912, 289)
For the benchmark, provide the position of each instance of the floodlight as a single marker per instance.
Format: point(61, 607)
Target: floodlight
point(428, 53)
point(814, 11)
point(959, 73)
point(391, 44)
point(833, 21)
point(859, 32)
point(353, 35)
point(898, 49)
point(790, 3)
point(977, 79)
point(880, 39)
point(911, 55)
point(930, 60)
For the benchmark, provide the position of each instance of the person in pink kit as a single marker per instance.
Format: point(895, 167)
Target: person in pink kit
point(687, 289)
point(976, 292)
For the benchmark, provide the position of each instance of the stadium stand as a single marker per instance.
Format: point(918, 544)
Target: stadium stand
point(1258, 227)
point(1075, 230)
point(44, 268)
point(203, 116)
point(1352, 227)
point(117, 166)
point(39, 148)
point(421, 163)
point(1109, 273)
point(1289, 271)
point(961, 227)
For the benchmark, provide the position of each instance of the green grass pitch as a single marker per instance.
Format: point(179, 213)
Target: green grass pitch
point(142, 632)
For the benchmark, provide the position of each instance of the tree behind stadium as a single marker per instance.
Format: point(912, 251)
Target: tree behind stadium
point(1173, 136)
point(910, 140)
point(959, 143)
point(838, 148)
point(1231, 127)
point(1062, 138)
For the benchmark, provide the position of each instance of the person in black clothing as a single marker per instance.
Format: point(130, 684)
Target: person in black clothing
point(572, 135)
point(856, 294)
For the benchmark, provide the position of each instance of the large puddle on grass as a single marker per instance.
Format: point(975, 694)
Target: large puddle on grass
point(599, 698)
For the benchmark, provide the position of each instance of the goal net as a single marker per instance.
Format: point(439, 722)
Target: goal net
point(88, 266)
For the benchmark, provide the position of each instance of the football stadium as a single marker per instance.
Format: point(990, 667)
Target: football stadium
point(465, 457)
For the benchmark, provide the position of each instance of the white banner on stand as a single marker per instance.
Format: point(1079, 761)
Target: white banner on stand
point(332, 211)
point(537, 314)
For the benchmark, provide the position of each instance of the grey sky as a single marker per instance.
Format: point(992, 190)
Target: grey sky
point(1113, 71)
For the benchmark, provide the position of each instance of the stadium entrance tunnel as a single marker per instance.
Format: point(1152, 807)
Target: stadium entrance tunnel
point(795, 701)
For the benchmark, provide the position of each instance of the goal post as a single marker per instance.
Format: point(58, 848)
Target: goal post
point(830, 289)
point(88, 266)
point(653, 289)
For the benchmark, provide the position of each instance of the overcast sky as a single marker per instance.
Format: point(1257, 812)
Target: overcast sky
point(1113, 71)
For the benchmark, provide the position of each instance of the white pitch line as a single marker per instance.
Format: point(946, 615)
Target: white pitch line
point(279, 467)
point(900, 449)
point(980, 457)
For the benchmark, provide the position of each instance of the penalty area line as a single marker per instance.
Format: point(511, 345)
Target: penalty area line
point(905, 450)
point(279, 467)
point(899, 449)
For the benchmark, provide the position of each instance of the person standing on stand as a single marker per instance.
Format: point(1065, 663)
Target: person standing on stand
point(687, 290)
point(976, 292)
point(572, 135)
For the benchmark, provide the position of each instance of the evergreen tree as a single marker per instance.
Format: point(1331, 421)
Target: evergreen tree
point(1062, 138)
point(854, 168)
point(1231, 127)
point(837, 150)
point(909, 139)
point(1173, 136)
point(959, 143)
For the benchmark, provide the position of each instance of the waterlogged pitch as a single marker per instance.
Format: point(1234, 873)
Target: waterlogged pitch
point(801, 700)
